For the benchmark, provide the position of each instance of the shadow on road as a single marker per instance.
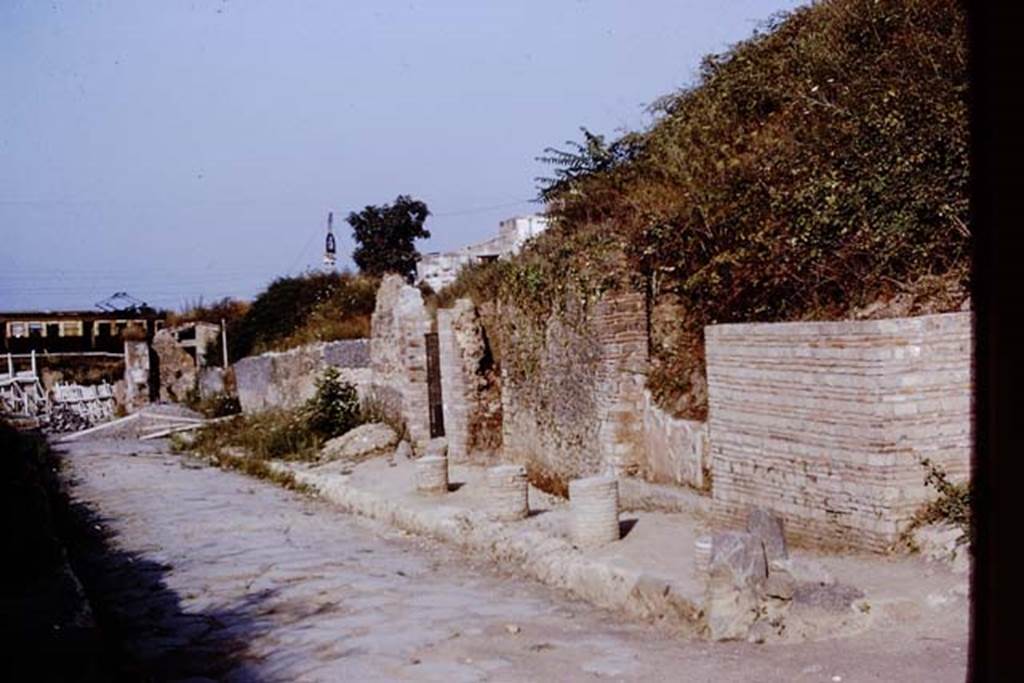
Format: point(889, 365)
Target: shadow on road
point(145, 633)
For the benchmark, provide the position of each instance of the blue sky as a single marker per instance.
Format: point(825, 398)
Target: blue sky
point(186, 149)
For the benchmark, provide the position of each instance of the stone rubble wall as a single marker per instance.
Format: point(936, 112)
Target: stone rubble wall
point(575, 413)
point(825, 422)
point(287, 379)
point(214, 381)
point(398, 358)
point(177, 369)
point(676, 451)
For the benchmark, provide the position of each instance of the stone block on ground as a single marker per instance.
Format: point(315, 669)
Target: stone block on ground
point(737, 575)
point(731, 611)
point(768, 527)
point(802, 570)
point(740, 557)
point(361, 443)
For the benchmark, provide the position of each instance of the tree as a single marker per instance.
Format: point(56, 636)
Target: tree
point(385, 236)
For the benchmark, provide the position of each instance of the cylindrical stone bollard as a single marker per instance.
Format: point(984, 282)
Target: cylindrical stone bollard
point(595, 510)
point(432, 474)
point(702, 556)
point(508, 492)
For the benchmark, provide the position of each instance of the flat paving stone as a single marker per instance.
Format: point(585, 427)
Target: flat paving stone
point(264, 584)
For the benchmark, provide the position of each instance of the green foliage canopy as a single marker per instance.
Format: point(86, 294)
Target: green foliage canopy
point(385, 236)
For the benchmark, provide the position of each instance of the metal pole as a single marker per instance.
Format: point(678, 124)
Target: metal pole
point(224, 341)
point(10, 364)
point(33, 362)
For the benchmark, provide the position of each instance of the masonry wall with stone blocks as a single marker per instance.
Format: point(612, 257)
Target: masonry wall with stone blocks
point(576, 412)
point(826, 423)
point(469, 387)
point(287, 379)
point(398, 358)
point(177, 369)
point(676, 451)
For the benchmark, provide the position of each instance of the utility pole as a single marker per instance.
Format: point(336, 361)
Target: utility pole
point(224, 341)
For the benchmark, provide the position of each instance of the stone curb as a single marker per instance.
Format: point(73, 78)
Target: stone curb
point(548, 559)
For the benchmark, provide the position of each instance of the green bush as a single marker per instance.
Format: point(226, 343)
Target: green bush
point(288, 434)
point(334, 409)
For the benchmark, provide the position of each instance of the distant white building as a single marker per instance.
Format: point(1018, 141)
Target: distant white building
point(439, 269)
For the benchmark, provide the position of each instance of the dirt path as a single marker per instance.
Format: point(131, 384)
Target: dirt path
point(213, 574)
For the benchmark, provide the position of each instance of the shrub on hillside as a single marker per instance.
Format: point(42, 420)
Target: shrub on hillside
point(299, 310)
point(817, 168)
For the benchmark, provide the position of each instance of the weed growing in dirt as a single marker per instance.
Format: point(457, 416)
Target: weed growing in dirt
point(953, 505)
point(288, 434)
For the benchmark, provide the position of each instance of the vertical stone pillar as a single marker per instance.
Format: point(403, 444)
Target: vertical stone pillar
point(595, 510)
point(136, 374)
point(509, 492)
point(454, 390)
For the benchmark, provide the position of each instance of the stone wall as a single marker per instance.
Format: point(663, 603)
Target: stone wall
point(676, 451)
point(214, 381)
point(825, 422)
point(176, 368)
point(398, 359)
point(572, 391)
point(136, 375)
point(469, 387)
point(287, 379)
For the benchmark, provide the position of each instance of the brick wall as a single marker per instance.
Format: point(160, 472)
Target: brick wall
point(825, 422)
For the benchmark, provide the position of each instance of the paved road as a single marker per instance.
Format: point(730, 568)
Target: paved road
point(212, 574)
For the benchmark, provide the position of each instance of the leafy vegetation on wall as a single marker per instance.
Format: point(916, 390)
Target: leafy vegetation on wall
point(816, 170)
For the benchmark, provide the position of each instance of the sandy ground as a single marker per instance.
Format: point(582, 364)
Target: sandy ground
point(212, 574)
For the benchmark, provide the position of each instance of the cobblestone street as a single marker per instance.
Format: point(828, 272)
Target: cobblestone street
point(212, 574)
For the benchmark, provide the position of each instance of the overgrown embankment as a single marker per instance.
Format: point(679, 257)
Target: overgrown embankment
point(817, 170)
point(291, 312)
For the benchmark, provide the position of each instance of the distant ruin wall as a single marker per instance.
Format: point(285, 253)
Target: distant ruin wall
point(825, 422)
point(136, 375)
point(572, 392)
point(398, 359)
point(287, 379)
point(176, 368)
